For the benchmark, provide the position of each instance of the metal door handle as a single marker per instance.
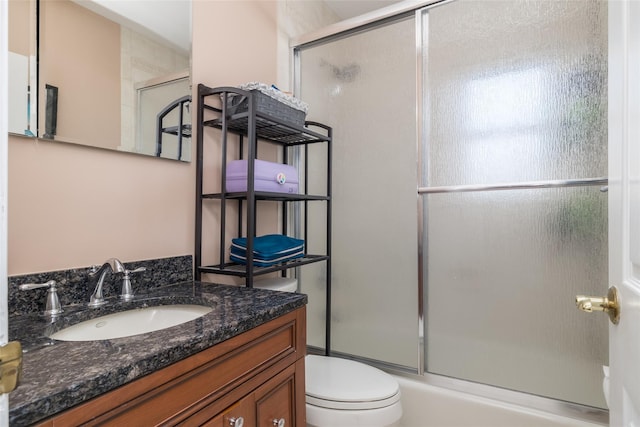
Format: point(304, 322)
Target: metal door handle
point(10, 366)
point(608, 304)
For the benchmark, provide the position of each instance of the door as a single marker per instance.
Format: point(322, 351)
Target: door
point(514, 158)
point(364, 86)
point(4, 400)
point(624, 209)
point(492, 105)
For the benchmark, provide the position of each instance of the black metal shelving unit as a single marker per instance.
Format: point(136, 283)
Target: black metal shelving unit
point(253, 127)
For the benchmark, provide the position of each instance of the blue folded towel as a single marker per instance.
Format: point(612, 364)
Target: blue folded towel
point(269, 245)
point(268, 250)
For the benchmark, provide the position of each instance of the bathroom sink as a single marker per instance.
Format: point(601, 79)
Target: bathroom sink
point(131, 322)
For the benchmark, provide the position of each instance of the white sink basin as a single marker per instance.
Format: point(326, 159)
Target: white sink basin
point(131, 322)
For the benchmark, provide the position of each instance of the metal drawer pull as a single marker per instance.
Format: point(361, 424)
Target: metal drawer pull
point(236, 422)
point(279, 422)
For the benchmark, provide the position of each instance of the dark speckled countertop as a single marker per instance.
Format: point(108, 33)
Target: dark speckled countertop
point(58, 375)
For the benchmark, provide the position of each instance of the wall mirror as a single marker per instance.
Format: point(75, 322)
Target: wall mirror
point(112, 74)
point(22, 67)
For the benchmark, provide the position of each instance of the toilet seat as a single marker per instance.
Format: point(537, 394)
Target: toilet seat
point(336, 383)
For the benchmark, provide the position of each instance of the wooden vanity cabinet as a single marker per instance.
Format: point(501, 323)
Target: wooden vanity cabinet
point(258, 375)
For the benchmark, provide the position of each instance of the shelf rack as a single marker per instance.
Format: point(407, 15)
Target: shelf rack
point(254, 127)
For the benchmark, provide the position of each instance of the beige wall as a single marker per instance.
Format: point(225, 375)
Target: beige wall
point(234, 42)
point(72, 206)
point(74, 38)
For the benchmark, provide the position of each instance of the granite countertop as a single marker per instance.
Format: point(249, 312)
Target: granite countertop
point(58, 375)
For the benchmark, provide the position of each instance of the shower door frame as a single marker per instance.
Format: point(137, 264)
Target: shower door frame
point(370, 21)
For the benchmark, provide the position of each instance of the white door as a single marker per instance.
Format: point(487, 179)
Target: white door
point(4, 116)
point(624, 209)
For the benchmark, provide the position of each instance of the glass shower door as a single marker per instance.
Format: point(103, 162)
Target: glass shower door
point(515, 215)
point(364, 86)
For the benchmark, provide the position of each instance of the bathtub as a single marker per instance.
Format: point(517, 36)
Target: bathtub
point(425, 405)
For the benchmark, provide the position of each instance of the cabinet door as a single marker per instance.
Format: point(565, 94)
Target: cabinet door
point(241, 414)
point(276, 400)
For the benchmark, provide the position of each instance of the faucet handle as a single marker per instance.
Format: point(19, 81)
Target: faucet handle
point(127, 289)
point(53, 307)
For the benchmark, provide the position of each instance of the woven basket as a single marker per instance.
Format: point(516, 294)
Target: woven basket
point(266, 105)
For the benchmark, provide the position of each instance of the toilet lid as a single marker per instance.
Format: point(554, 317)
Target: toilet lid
point(345, 384)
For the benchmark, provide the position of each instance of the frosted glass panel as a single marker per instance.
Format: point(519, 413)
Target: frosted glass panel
point(364, 86)
point(516, 91)
point(504, 269)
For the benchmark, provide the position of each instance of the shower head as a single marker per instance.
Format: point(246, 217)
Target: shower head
point(347, 73)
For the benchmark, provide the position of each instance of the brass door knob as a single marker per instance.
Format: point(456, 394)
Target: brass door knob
point(10, 366)
point(608, 304)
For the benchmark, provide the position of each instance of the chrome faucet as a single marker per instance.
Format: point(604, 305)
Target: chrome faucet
point(97, 299)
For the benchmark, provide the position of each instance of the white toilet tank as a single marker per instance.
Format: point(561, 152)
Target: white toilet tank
point(283, 284)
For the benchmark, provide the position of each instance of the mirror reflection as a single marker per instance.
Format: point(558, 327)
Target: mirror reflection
point(109, 68)
point(22, 67)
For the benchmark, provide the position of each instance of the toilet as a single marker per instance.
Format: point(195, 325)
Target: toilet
point(341, 392)
point(345, 393)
